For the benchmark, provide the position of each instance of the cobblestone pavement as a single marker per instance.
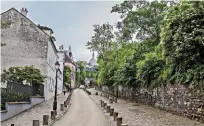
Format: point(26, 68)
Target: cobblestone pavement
point(36, 113)
point(83, 112)
point(140, 115)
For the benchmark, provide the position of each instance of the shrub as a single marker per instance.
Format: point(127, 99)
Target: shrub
point(13, 97)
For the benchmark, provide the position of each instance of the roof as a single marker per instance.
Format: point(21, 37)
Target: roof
point(44, 28)
point(93, 62)
point(67, 58)
point(32, 23)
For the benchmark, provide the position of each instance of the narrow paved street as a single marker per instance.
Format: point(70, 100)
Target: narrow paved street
point(83, 112)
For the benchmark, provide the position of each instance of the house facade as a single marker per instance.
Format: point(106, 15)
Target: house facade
point(61, 56)
point(28, 44)
point(68, 61)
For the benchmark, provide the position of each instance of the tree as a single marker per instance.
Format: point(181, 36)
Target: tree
point(141, 18)
point(81, 73)
point(67, 76)
point(182, 41)
point(102, 38)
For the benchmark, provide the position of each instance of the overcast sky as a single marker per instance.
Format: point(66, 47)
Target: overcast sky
point(71, 21)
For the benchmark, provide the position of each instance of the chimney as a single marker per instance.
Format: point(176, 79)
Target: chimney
point(24, 11)
point(62, 47)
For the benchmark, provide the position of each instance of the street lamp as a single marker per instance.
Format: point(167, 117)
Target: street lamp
point(57, 65)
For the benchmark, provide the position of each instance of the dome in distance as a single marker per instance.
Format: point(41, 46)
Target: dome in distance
point(92, 61)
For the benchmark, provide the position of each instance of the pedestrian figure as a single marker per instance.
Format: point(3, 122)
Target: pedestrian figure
point(64, 90)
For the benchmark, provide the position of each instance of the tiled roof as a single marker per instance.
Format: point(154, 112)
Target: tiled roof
point(67, 58)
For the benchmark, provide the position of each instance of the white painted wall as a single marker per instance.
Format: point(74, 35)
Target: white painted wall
point(14, 108)
point(52, 57)
point(61, 61)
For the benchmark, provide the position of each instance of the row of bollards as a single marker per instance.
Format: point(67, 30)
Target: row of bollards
point(53, 113)
point(111, 98)
point(110, 110)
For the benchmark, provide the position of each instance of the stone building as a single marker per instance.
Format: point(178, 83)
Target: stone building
point(28, 44)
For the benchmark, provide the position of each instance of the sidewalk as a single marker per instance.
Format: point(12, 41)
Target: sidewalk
point(36, 113)
point(140, 115)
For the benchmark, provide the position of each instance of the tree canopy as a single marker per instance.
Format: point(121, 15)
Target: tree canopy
point(67, 75)
point(159, 43)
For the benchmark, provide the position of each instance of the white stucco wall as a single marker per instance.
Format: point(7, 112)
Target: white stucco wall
point(60, 80)
point(59, 86)
point(14, 108)
point(52, 57)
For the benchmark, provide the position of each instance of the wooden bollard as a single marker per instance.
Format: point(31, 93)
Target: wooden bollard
point(12, 124)
point(108, 97)
point(62, 107)
point(115, 100)
point(108, 109)
point(115, 114)
point(111, 111)
point(65, 104)
point(53, 115)
point(45, 119)
point(35, 123)
point(119, 121)
point(101, 102)
point(124, 125)
point(110, 100)
point(104, 106)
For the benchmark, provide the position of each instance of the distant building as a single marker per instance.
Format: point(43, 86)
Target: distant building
point(92, 64)
point(29, 44)
point(69, 61)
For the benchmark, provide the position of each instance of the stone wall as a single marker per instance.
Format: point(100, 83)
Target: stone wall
point(25, 43)
point(177, 99)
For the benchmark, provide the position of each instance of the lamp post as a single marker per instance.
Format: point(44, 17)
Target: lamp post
point(57, 65)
